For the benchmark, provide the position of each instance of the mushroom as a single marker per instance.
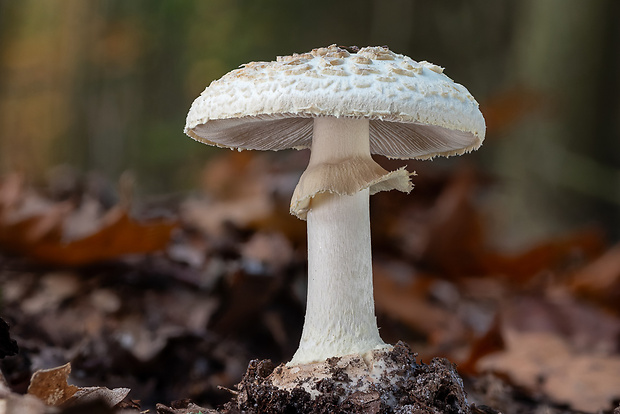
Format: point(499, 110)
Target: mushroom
point(344, 104)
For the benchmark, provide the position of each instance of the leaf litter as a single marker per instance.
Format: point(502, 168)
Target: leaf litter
point(173, 308)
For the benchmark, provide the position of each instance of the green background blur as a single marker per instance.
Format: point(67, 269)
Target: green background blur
point(105, 85)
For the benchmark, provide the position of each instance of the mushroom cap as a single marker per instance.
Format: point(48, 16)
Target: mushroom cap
point(415, 111)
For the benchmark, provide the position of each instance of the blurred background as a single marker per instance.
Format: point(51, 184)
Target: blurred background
point(153, 262)
point(105, 86)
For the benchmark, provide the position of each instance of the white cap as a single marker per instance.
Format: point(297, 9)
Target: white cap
point(415, 111)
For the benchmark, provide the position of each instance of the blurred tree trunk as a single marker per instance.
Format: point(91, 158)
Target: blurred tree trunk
point(40, 59)
point(561, 54)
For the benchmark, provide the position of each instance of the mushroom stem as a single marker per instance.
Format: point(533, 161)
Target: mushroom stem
point(340, 316)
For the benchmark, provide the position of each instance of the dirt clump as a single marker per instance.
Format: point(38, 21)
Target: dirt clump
point(383, 381)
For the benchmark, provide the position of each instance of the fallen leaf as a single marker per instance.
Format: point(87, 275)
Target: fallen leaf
point(53, 289)
point(226, 176)
point(456, 241)
point(58, 233)
point(84, 221)
point(268, 249)
point(51, 387)
point(143, 343)
point(403, 299)
point(553, 254)
point(600, 279)
point(110, 397)
point(213, 217)
point(491, 342)
point(542, 361)
point(119, 236)
point(237, 185)
point(586, 327)
point(11, 191)
point(249, 190)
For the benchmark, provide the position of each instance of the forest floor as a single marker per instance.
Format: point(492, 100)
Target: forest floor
point(159, 306)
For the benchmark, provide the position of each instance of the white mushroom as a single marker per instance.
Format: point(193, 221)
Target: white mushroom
point(344, 106)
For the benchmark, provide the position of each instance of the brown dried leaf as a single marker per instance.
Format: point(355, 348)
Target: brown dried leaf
point(227, 176)
point(142, 342)
point(492, 341)
point(29, 227)
point(51, 387)
point(543, 361)
point(36, 227)
point(54, 288)
point(560, 347)
point(404, 300)
point(456, 240)
point(236, 186)
point(11, 191)
point(248, 190)
point(268, 248)
point(120, 235)
point(600, 280)
point(212, 217)
point(550, 255)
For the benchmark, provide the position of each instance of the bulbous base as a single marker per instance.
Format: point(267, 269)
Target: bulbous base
point(382, 381)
